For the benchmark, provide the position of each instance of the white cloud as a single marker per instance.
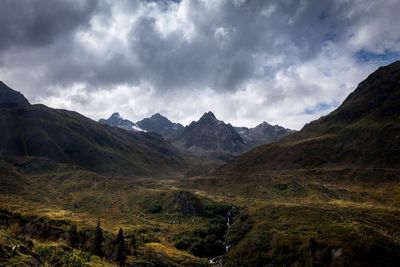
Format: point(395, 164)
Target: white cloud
point(248, 61)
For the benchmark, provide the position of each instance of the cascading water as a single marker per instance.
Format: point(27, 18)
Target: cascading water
point(229, 221)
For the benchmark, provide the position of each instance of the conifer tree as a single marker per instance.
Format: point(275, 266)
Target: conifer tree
point(73, 236)
point(98, 241)
point(121, 257)
point(45, 231)
point(83, 240)
point(132, 245)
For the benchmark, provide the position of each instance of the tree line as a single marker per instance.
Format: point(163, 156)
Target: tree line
point(94, 241)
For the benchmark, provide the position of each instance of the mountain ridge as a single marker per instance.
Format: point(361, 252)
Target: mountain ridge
point(116, 120)
point(243, 140)
point(10, 98)
point(161, 125)
point(362, 132)
point(210, 134)
point(69, 137)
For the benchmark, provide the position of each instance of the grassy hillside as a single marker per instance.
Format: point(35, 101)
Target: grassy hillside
point(363, 132)
point(283, 219)
point(69, 137)
point(173, 227)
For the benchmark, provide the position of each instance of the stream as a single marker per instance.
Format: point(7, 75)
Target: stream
point(217, 261)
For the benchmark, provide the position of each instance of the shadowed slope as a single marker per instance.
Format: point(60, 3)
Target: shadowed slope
point(69, 137)
point(363, 132)
point(10, 98)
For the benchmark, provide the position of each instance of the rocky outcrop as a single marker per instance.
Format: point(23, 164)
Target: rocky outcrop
point(187, 204)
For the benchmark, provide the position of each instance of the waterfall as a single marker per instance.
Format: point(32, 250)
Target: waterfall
point(229, 221)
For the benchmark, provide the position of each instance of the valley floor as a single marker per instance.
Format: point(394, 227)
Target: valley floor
point(279, 220)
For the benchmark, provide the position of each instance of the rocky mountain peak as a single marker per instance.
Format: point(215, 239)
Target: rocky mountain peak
point(10, 98)
point(159, 124)
point(265, 124)
point(116, 120)
point(158, 116)
point(115, 115)
point(263, 133)
point(211, 134)
point(208, 116)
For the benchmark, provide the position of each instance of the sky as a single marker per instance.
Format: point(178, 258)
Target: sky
point(285, 62)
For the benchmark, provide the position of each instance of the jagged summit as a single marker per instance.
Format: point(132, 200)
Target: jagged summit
point(10, 98)
point(115, 115)
point(210, 134)
point(117, 121)
point(263, 133)
point(159, 124)
point(264, 123)
point(158, 116)
point(208, 116)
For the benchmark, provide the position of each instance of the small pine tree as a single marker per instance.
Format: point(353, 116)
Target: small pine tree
point(45, 231)
point(83, 240)
point(73, 236)
point(132, 245)
point(98, 241)
point(121, 257)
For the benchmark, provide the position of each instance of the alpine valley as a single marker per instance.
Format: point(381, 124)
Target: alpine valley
point(77, 192)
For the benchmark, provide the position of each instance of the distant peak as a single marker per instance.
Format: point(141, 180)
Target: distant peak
point(209, 115)
point(115, 115)
point(158, 116)
point(265, 123)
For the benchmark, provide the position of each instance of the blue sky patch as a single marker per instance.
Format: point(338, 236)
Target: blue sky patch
point(363, 56)
point(319, 107)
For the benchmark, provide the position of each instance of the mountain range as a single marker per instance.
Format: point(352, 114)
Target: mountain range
point(207, 135)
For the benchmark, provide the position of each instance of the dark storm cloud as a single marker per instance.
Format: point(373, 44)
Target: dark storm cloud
point(39, 22)
point(229, 43)
point(265, 60)
point(222, 51)
point(220, 54)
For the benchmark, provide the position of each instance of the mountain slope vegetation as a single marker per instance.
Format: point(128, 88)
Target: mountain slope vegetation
point(68, 137)
point(363, 132)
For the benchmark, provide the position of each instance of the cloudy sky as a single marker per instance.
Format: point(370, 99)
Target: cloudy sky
point(286, 62)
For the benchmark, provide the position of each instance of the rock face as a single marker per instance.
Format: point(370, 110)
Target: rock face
point(10, 98)
point(117, 121)
point(210, 134)
point(363, 132)
point(264, 133)
point(161, 125)
point(187, 204)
